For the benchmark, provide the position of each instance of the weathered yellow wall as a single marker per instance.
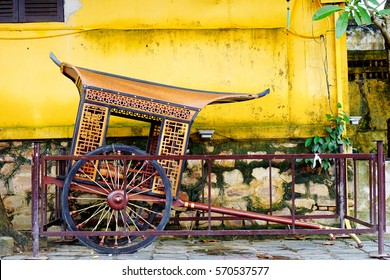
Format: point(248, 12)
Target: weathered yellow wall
point(232, 45)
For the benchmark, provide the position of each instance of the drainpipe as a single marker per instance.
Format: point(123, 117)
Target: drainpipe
point(341, 86)
point(35, 199)
point(342, 189)
point(381, 199)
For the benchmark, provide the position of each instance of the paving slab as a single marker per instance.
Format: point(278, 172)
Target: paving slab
point(179, 248)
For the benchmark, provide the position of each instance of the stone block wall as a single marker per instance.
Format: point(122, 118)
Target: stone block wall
point(15, 177)
point(240, 184)
point(244, 184)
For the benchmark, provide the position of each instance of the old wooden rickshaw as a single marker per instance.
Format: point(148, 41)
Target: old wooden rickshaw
point(121, 190)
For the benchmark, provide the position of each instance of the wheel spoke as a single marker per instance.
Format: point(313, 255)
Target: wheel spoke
point(134, 223)
point(142, 218)
point(101, 243)
point(103, 177)
point(141, 183)
point(97, 211)
point(109, 217)
point(103, 214)
point(109, 173)
point(85, 198)
point(89, 189)
point(148, 210)
point(125, 226)
point(126, 173)
point(130, 195)
point(95, 182)
point(135, 177)
point(115, 170)
point(81, 210)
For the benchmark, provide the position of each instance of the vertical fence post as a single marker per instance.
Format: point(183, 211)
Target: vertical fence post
point(35, 199)
point(342, 189)
point(388, 138)
point(381, 197)
point(61, 171)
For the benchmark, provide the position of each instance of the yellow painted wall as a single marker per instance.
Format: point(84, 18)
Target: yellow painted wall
point(231, 45)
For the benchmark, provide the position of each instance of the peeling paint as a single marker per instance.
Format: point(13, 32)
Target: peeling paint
point(71, 7)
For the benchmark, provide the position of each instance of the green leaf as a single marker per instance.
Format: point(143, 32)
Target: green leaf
point(329, 129)
point(357, 18)
point(325, 11)
point(374, 2)
point(308, 142)
point(325, 165)
point(332, 146)
point(384, 12)
point(365, 15)
point(340, 142)
point(338, 103)
point(347, 141)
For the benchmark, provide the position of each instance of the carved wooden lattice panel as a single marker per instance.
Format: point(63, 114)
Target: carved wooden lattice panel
point(153, 138)
point(135, 106)
point(152, 150)
point(173, 142)
point(91, 133)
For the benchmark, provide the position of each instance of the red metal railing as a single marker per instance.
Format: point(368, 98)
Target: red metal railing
point(374, 186)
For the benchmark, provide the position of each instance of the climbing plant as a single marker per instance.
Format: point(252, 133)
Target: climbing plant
point(330, 143)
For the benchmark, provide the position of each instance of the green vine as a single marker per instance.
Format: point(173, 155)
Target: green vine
point(331, 142)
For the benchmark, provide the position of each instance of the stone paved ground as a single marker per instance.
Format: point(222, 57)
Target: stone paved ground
point(304, 248)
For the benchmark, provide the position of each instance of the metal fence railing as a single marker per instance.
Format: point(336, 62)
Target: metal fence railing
point(358, 198)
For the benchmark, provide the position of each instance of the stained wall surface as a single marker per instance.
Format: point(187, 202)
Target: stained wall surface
point(234, 46)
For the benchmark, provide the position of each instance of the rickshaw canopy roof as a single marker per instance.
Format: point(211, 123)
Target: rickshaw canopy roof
point(182, 97)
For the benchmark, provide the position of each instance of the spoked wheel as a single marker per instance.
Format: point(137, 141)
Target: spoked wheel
point(112, 195)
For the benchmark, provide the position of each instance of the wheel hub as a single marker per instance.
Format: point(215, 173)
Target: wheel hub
point(117, 199)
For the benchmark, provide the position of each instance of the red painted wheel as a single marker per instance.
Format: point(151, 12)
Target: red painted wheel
point(115, 199)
